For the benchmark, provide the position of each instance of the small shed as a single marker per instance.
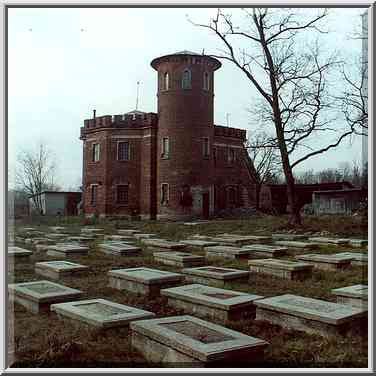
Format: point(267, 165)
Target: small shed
point(341, 201)
point(56, 203)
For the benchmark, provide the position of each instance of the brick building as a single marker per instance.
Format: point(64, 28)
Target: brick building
point(173, 164)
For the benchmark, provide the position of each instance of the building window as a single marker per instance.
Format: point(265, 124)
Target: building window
point(122, 194)
point(206, 81)
point(94, 194)
point(165, 147)
point(231, 155)
point(164, 194)
point(205, 147)
point(96, 152)
point(186, 79)
point(215, 155)
point(166, 81)
point(123, 151)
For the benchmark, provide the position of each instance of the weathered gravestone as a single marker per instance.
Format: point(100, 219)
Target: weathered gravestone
point(163, 245)
point(143, 281)
point(309, 315)
point(188, 341)
point(215, 276)
point(198, 244)
point(291, 237)
point(38, 296)
point(119, 249)
point(211, 302)
point(18, 254)
point(262, 250)
point(355, 296)
point(296, 244)
point(67, 250)
point(100, 313)
point(239, 240)
point(329, 240)
point(59, 269)
point(143, 236)
point(179, 259)
point(128, 232)
point(58, 228)
point(358, 242)
point(286, 269)
point(84, 239)
point(119, 238)
point(57, 236)
point(331, 262)
point(226, 251)
point(358, 259)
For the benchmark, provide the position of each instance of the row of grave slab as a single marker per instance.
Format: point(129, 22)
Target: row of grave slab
point(189, 339)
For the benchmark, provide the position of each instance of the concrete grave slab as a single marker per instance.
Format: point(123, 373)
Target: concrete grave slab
point(309, 315)
point(263, 250)
point(239, 240)
point(143, 281)
point(80, 239)
point(58, 228)
point(296, 244)
point(57, 236)
point(335, 241)
point(215, 276)
point(286, 269)
point(358, 259)
point(119, 238)
point(355, 296)
point(119, 249)
point(187, 340)
point(227, 252)
point(45, 241)
point(100, 313)
point(211, 302)
point(94, 232)
point(67, 250)
point(331, 262)
point(39, 295)
point(59, 269)
point(128, 232)
point(358, 242)
point(19, 253)
point(198, 243)
point(144, 236)
point(291, 237)
point(179, 259)
point(163, 245)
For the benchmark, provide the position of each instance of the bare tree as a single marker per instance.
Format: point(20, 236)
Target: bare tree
point(35, 173)
point(264, 162)
point(290, 77)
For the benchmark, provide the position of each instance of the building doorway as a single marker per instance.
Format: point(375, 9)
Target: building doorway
point(205, 205)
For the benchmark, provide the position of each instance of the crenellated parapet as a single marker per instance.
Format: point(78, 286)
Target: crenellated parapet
point(129, 120)
point(230, 132)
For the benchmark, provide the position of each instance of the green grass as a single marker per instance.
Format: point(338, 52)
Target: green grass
point(44, 340)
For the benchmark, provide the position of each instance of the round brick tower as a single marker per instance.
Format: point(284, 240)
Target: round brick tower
point(185, 134)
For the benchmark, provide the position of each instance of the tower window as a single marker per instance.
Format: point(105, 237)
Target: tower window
point(186, 79)
point(206, 81)
point(93, 194)
point(122, 194)
point(231, 155)
point(206, 147)
point(165, 147)
point(96, 152)
point(166, 81)
point(165, 193)
point(123, 151)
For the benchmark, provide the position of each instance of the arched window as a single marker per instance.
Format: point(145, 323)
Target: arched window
point(186, 79)
point(166, 81)
point(206, 81)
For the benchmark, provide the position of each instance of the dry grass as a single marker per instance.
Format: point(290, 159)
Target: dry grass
point(44, 340)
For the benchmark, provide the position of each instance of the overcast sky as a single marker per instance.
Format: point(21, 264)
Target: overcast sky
point(63, 63)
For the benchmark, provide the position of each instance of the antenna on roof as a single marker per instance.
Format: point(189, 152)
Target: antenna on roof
point(94, 112)
point(138, 86)
point(227, 119)
point(203, 51)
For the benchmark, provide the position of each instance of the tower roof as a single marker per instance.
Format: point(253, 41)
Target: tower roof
point(155, 62)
